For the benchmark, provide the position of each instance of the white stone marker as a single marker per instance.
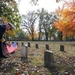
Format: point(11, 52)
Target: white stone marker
point(24, 51)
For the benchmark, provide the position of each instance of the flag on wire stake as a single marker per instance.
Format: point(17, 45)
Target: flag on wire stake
point(12, 47)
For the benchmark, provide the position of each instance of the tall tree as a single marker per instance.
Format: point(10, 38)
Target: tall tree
point(45, 21)
point(36, 1)
point(28, 22)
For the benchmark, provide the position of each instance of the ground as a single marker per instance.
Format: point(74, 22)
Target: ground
point(63, 61)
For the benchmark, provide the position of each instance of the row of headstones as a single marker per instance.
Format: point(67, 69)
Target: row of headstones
point(48, 54)
point(46, 46)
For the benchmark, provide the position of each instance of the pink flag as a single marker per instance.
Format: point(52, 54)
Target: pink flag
point(12, 47)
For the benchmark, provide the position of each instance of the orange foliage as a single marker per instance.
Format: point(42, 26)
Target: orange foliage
point(66, 23)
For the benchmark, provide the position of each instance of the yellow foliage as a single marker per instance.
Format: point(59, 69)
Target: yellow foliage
point(8, 32)
point(31, 36)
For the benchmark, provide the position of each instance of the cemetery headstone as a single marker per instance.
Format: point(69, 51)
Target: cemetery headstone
point(24, 52)
point(47, 47)
point(36, 46)
point(22, 43)
point(48, 59)
point(17, 43)
point(61, 47)
point(28, 44)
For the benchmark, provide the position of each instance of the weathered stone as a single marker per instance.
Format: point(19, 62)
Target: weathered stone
point(61, 48)
point(48, 58)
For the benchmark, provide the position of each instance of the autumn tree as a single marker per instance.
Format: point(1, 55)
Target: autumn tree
point(66, 22)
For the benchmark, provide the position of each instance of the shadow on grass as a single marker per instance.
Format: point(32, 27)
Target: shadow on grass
point(24, 60)
point(52, 70)
point(64, 51)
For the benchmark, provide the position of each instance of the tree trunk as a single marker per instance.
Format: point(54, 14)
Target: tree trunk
point(60, 36)
point(46, 34)
point(32, 36)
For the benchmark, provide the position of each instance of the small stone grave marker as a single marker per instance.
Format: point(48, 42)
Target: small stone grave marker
point(36, 46)
point(24, 52)
point(47, 47)
point(28, 44)
point(61, 47)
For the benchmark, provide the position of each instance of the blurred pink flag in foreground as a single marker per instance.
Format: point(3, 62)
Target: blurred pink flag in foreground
point(12, 47)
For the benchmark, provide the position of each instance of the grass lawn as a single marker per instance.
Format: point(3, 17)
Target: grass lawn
point(63, 62)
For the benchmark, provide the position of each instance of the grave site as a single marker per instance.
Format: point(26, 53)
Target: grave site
point(40, 58)
point(41, 36)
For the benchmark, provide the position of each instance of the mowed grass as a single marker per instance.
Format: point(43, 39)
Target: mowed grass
point(63, 62)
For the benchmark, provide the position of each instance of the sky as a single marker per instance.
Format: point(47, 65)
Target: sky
point(24, 6)
point(50, 5)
